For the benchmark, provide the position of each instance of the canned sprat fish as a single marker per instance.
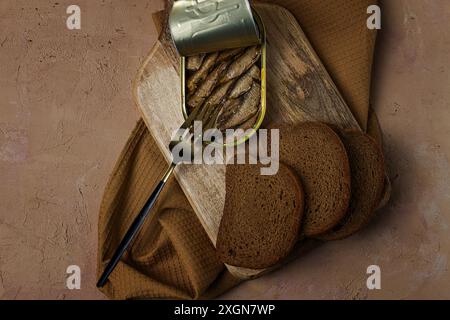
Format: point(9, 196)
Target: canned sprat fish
point(223, 62)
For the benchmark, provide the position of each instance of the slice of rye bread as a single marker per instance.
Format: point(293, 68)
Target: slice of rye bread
point(368, 177)
point(262, 216)
point(318, 156)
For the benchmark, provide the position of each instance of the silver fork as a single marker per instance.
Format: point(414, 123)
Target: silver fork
point(207, 114)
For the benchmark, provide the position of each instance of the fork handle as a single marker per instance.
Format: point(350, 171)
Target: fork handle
point(134, 228)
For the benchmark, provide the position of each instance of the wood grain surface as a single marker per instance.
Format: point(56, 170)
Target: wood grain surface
point(298, 89)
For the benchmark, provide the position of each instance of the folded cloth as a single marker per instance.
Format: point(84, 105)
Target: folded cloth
point(172, 257)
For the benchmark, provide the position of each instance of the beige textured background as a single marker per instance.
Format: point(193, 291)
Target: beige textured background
point(66, 111)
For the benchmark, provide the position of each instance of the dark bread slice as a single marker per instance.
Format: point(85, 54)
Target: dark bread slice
point(318, 156)
point(262, 216)
point(368, 177)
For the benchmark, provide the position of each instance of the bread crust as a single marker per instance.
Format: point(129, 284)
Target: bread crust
point(319, 158)
point(276, 234)
point(368, 181)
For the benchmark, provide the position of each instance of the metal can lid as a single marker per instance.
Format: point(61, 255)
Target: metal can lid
point(202, 26)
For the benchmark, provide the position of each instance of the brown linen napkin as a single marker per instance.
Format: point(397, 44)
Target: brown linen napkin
point(172, 256)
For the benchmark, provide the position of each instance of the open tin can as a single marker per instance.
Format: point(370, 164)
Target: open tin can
point(205, 26)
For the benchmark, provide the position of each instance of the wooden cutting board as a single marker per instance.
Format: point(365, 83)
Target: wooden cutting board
point(298, 89)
